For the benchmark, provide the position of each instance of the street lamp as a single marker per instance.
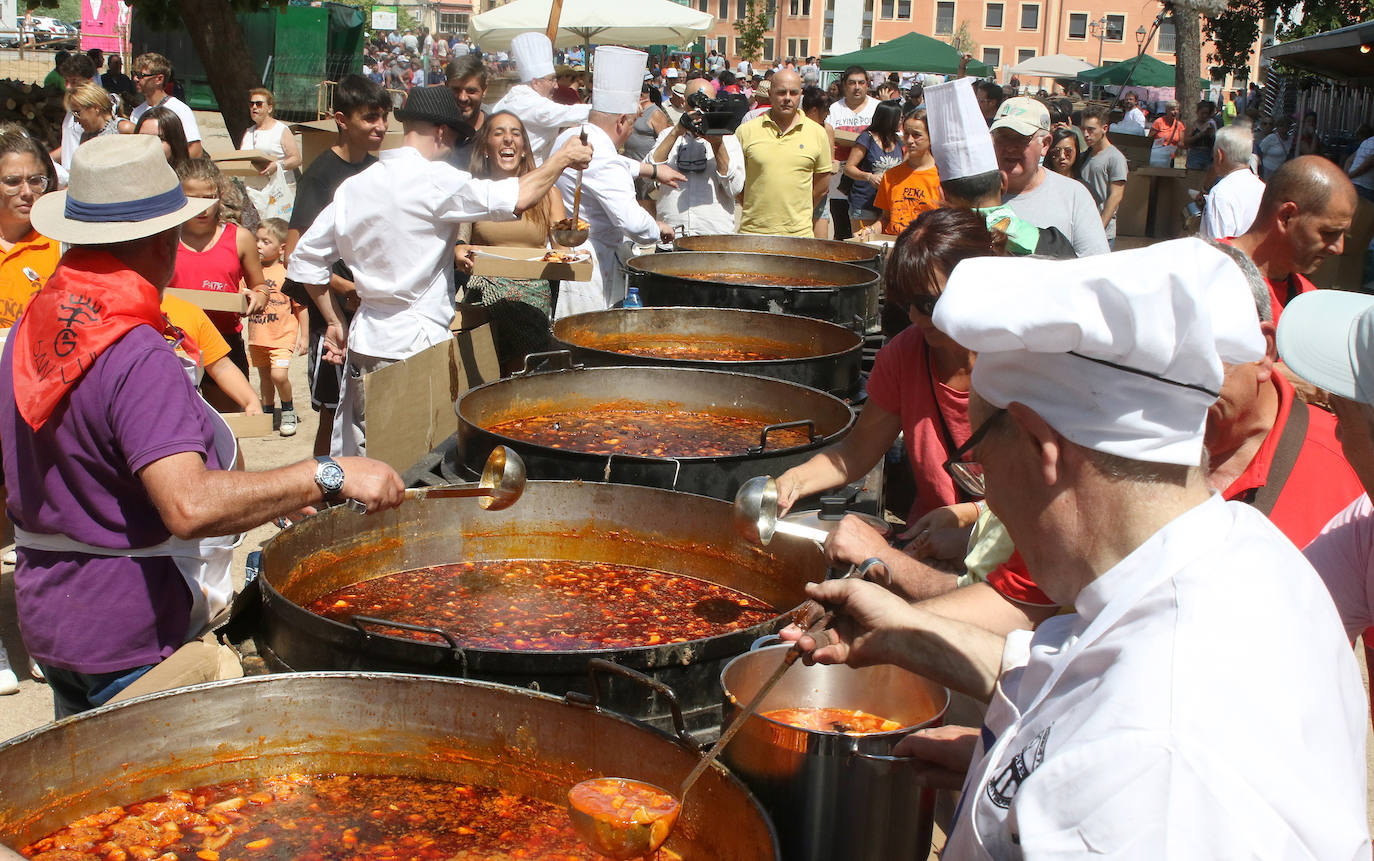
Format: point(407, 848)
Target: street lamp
point(1098, 29)
point(1141, 35)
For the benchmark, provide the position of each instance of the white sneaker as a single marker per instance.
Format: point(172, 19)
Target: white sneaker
point(36, 671)
point(10, 558)
point(288, 422)
point(9, 683)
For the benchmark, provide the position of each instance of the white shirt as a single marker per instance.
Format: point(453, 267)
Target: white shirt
point(543, 118)
point(1231, 205)
point(609, 207)
point(843, 118)
point(176, 106)
point(705, 203)
point(1202, 703)
point(1135, 116)
point(395, 225)
point(1273, 152)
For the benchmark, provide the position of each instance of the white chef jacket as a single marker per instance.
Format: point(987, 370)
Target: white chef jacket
point(704, 205)
point(395, 225)
point(1231, 205)
point(542, 117)
point(1203, 702)
point(609, 207)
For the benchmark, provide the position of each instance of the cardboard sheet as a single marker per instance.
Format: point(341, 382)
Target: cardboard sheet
point(211, 300)
point(485, 264)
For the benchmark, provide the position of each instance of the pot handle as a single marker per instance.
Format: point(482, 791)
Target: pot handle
point(359, 621)
point(677, 466)
point(557, 360)
point(763, 435)
point(597, 666)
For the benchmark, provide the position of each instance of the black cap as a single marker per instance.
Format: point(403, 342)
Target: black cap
point(435, 105)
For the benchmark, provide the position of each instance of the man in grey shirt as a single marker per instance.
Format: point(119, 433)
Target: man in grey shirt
point(1103, 170)
point(1020, 136)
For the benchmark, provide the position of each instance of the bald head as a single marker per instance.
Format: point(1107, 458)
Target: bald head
point(699, 84)
point(784, 97)
point(1310, 182)
point(786, 79)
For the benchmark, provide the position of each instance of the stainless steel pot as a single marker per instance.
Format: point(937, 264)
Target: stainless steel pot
point(820, 355)
point(830, 803)
point(789, 246)
point(531, 744)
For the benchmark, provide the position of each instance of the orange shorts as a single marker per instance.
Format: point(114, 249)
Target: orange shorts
point(269, 357)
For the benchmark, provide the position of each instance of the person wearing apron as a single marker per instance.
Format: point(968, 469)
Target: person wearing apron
point(1145, 723)
point(118, 475)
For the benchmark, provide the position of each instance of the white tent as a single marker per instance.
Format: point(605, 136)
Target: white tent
point(638, 23)
point(1051, 66)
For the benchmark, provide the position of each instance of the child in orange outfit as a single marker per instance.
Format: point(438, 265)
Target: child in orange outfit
point(277, 332)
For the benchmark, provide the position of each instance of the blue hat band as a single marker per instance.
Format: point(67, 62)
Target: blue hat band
point(142, 209)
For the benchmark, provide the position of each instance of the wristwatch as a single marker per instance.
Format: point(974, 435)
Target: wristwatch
point(330, 477)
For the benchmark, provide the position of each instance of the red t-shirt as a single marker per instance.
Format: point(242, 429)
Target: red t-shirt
point(932, 415)
point(1282, 290)
point(1320, 486)
point(216, 268)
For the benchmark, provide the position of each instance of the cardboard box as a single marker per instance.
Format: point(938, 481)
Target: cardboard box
point(844, 137)
point(211, 300)
point(487, 265)
point(410, 405)
point(319, 135)
point(243, 425)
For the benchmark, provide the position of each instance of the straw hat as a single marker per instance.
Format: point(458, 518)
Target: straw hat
point(121, 188)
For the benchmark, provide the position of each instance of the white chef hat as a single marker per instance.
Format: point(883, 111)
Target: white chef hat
point(959, 139)
point(533, 53)
point(617, 79)
point(1122, 354)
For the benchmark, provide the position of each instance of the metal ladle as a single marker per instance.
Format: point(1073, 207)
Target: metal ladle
point(572, 237)
point(501, 484)
point(756, 514)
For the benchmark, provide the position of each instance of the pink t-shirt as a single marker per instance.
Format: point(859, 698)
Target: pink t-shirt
point(932, 413)
point(1343, 555)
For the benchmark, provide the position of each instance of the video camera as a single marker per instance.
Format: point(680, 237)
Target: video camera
point(718, 116)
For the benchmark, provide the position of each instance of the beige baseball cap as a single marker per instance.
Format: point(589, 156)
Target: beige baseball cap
point(1023, 115)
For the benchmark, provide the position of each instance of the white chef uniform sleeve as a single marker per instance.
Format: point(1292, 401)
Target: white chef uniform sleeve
point(612, 182)
point(550, 114)
point(467, 199)
point(317, 250)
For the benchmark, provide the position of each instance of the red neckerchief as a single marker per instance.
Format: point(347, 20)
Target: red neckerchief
point(90, 302)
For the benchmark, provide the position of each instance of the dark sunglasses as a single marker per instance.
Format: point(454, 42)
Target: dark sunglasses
point(256, 103)
point(968, 474)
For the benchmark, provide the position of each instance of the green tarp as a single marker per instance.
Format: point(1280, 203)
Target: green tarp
point(910, 53)
point(1150, 73)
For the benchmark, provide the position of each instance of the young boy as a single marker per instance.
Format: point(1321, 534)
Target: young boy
point(360, 111)
point(278, 332)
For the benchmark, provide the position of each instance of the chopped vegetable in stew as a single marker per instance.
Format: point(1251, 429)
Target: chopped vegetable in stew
point(648, 432)
point(850, 721)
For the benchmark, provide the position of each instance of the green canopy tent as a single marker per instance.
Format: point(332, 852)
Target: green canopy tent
point(1150, 73)
point(910, 53)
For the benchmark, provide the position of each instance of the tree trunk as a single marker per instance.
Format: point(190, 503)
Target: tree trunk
point(224, 54)
point(1188, 44)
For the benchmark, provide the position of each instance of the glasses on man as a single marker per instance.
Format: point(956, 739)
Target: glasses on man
point(968, 474)
point(14, 184)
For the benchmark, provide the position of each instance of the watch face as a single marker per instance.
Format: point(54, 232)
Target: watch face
point(330, 476)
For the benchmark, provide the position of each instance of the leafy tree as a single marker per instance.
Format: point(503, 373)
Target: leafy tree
point(1233, 33)
point(751, 29)
point(962, 40)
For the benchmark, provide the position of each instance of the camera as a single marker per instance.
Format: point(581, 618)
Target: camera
point(719, 116)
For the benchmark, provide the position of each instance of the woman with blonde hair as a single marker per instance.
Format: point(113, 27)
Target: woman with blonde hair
point(274, 139)
point(90, 105)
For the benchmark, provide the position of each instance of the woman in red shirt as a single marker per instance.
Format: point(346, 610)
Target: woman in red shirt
point(221, 257)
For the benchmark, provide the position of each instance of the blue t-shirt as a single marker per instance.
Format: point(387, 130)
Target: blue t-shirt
point(876, 161)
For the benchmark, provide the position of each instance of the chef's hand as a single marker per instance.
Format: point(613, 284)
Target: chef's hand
point(463, 258)
point(574, 154)
point(867, 619)
point(942, 754)
point(371, 482)
point(335, 343)
point(670, 176)
point(789, 491)
point(666, 234)
point(853, 541)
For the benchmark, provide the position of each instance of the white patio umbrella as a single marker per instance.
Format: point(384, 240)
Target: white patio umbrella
point(1051, 66)
point(638, 23)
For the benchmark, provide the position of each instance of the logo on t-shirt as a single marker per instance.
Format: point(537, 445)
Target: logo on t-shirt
point(1003, 787)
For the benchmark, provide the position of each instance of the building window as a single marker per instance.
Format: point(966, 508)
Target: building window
point(454, 24)
point(801, 8)
point(741, 9)
point(992, 57)
point(1078, 25)
point(1116, 27)
point(1024, 54)
point(798, 48)
point(724, 10)
point(828, 40)
point(1165, 45)
point(944, 18)
point(904, 9)
point(889, 8)
point(992, 18)
point(1030, 16)
point(768, 49)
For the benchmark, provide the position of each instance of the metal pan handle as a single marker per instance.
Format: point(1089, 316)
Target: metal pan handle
point(677, 466)
point(597, 666)
point(763, 435)
point(556, 360)
point(359, 621)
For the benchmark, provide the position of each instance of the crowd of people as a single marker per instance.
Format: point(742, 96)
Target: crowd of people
point(1117, 458)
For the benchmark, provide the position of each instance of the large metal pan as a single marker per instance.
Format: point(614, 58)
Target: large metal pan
point(819, 355)
point(773, 401)
point(789, 246)
point(526, 743)
point(553, 520)
point(840, 293)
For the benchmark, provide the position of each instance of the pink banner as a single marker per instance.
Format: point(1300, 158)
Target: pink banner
point(103, 22)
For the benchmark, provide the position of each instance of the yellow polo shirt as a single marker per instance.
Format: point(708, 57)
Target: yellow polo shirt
point(777, 174)
point(36, 252)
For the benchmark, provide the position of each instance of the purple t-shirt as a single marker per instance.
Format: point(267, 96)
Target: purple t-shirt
point(78, 476)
